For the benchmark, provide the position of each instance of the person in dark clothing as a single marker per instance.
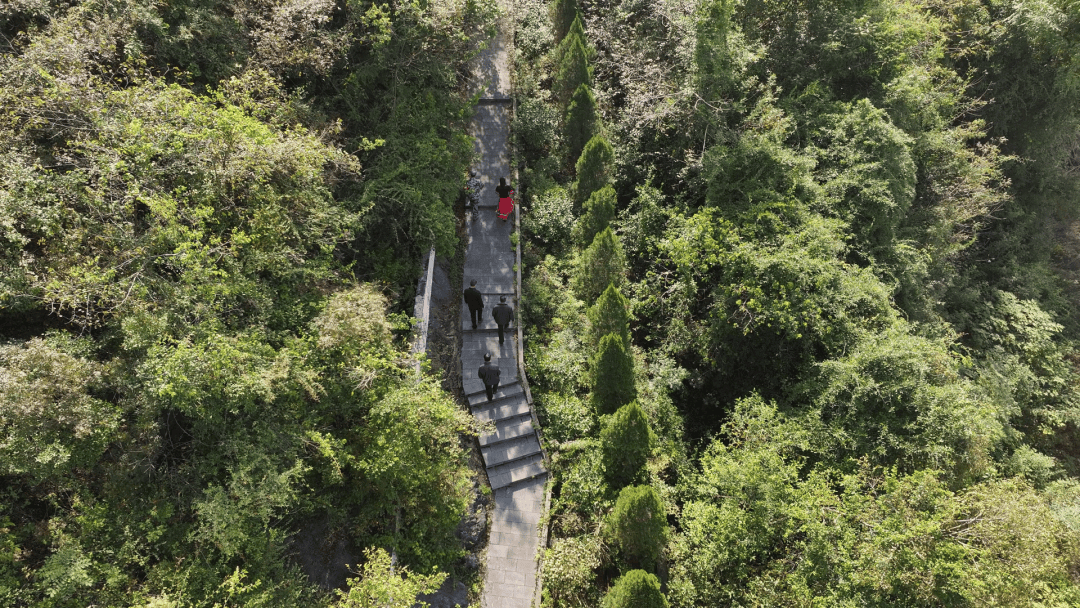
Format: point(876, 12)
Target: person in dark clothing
point(506, 204)
point(503, 315)
point(489, 373)
point(475, 301)
point(472, 190)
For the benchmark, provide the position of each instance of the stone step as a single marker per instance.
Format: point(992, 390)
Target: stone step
point(507, 430)
point(530, 467)
point(511, 389)
point(509, 451)
point(500, 410)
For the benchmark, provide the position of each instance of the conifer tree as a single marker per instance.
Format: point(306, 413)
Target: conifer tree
point(563, 14)
point(627, 442)
point(594, 168)
point(635, 589)
point(602, 263)
point(596, 214)
point(582, 123)
point(612, 375)
point(639, 525)
point(572, 69)
point(610, 315)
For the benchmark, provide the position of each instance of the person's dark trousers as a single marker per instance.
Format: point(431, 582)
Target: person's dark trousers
point(491, 391)
point(501, 328)
point(476, 314)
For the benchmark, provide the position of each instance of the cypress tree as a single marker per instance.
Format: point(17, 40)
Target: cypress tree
point(612, 374)
point(582, 123)
point(594, 168)
point(610, 315)
point(572, 69)
point(602, 263)
point(635, 589)
point(563, 15)
point(627, 442)
point(639, 525)
point(596, 214)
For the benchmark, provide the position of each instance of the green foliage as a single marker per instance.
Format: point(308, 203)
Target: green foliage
point(627, 442)
point(637, 589)
point(868, 173)
point(569, 578)
point(383, 584)
point(536, 132)
point(582, 121)
point(572, 67)
point(899, 399)
point(638, 525)
point(602, 263)
point(563, 15)
point(550, 220)
point(612, 375)
point(610, 315)
point(596, 214)
point(52, 421)
point(594, 168)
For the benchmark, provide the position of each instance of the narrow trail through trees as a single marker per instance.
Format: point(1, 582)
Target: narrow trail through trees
point(512, 453)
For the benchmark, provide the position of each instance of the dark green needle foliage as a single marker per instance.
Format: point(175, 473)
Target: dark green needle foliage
point(603, 263)
point(582, 122)
point(594, 168)
point(635, 589)
point(596, 215)
point(610, 315)
point(638, 525)
point(612, 375)
point(563, 15)
point(572, 68)
point(627, 442)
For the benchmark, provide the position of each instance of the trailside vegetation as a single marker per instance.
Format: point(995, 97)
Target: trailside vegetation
point(212, 220)
point(821, 275)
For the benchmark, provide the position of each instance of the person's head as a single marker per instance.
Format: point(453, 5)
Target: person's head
point(472, 283)
point(502, 299)
point(502, 181)
point(472, 173)
point(487, 357)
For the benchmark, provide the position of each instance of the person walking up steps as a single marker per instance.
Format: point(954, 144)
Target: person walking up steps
point(503, 315)
point(506, 204)
point(475, 301)
point(489, 373)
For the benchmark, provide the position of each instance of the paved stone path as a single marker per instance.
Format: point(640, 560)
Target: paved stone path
point(515, 463)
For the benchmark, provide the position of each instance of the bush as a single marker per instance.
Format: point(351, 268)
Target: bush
point(594, 168)
point(639, 525)
point(610, 315)
point(602, 264)
point(627, 441)
point(550, 219)
point(582, 122)
point(596, 214)
point(635, 589)
point(612, 376)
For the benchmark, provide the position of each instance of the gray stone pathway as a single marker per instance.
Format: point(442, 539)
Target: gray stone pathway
point(512, 455)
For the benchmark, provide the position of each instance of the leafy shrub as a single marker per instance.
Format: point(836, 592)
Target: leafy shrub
point(569, 572)
point(550, 219)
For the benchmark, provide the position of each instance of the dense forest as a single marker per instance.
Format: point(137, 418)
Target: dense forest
point(212, 214)
point(801, 299)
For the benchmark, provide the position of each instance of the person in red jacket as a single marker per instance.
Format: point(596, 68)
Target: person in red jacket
point(506, 204)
